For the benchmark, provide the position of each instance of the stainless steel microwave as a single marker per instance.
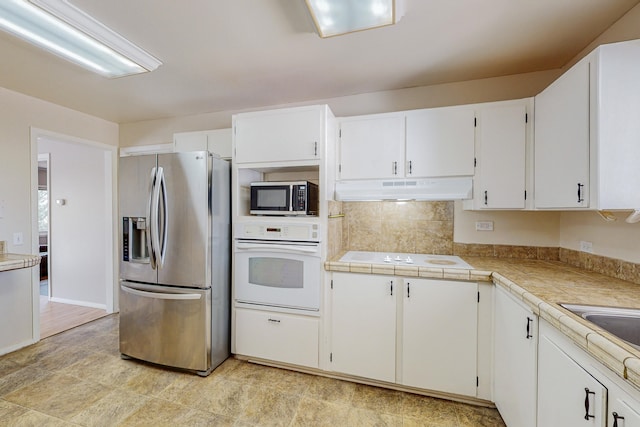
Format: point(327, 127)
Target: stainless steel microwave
point(284, 198)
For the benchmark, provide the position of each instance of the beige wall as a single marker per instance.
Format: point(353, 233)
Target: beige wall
point(19, 114)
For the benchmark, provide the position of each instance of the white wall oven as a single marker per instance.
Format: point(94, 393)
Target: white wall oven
point(278, 265)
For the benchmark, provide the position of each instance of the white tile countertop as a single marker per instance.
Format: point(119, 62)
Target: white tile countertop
point(16, 261)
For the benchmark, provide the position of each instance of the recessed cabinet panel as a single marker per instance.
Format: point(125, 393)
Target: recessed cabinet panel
point(279, 135)
point(363, 325)
point(440, 142)
point(515, 350)
point(439, 335)
point(567, 394)
point(501, 168)
point(562, 141)
point(277, 336)
point(372, 147)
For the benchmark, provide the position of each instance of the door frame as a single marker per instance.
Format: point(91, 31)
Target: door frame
point(111, 225)
point(46, 157)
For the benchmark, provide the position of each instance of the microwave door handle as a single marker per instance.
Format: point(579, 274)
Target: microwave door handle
point(149, 226)
point(276, 247)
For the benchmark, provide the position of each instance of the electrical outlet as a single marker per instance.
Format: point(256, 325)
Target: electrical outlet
point(18, 239)
point(586, 247)
point(484, 225)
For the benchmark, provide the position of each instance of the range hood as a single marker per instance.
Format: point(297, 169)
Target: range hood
point(458, 188)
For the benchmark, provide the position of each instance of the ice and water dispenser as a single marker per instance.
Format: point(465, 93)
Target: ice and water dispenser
point(134, 240)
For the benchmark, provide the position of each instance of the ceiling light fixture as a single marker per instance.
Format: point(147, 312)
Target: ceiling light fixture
point(336, 17)
point(66, 31)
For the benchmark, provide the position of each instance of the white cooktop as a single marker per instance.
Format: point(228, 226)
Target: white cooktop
point(395, 258)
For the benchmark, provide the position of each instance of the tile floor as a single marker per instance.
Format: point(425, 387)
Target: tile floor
point(78, 378)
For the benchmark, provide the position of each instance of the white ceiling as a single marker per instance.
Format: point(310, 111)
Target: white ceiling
point(226, 55)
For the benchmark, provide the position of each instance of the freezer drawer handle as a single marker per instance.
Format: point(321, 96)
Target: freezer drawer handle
point(157, 295)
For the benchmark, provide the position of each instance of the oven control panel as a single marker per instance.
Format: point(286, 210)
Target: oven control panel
point(308, 232)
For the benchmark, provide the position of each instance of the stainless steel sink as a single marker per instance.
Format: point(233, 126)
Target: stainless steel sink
point(621, 322)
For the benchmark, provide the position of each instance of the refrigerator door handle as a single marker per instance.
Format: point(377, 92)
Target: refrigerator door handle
point(155, 218)
point(162, 184)
point(159, 295)
point(149, 226)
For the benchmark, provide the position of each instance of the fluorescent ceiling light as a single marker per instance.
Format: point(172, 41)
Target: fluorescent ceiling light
point(65, 30)
point(335, 17)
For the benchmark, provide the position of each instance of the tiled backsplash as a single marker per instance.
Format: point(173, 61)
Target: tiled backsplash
point(411, 227)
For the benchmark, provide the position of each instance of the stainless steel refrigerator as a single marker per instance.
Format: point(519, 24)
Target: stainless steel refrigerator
point(175, 260)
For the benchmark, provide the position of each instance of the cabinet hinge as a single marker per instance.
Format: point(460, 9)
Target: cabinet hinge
point(478, 296)
point(525, 194)
point(475, 162)
point(339, 133)
point(339, 168)
point(526, 117)
point(330, 357)
point(475, 122)
point(477, 382)
point(331, 283)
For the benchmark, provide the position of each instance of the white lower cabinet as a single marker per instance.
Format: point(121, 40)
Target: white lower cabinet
point(363, 325)
point(439, 335)
point(568, 395)
point(623, 410)
point(515, 355)
point(430, 325)
point(286, 338)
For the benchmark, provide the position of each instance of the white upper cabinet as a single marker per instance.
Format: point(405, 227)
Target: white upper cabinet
point(502, 130)
point(429, 143)
point(587, 132)
point(215, 141)
point(562, 141)
point(440, 142)
point(372, 146)
point(291, 134)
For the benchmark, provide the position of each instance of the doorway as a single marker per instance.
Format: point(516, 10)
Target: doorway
point(74, 231)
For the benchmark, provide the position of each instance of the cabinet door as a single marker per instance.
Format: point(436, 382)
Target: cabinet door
point(363, 325)
point(623, 410)
point(439, 338)
point(515, 349)
point(279, 135)
point(562, 141)
point(501, 166)
point(280, 337)
point(567, 394)
point(190, 141)
point(372, 147)
point(440, 142)
point(219, 142)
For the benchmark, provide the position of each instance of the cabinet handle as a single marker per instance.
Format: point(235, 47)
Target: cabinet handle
point(586, 404)
point(274, 320)
point(580, 199)
point(408, 290)
point(315, 148)
point(486, 197)
point(410, 168)
point(616, 417)
point(529, 320)
point(391, 287)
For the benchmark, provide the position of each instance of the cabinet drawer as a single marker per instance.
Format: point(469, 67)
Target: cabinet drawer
point(279, 337)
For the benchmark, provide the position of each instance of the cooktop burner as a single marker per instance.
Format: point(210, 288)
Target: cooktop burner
point(424, 260)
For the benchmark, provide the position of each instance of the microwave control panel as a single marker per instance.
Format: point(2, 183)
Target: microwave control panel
point(278, 231)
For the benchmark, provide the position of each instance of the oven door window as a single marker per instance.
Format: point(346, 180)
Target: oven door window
point(276, 272)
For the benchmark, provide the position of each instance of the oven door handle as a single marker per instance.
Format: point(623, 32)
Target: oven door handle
point(277, 247)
